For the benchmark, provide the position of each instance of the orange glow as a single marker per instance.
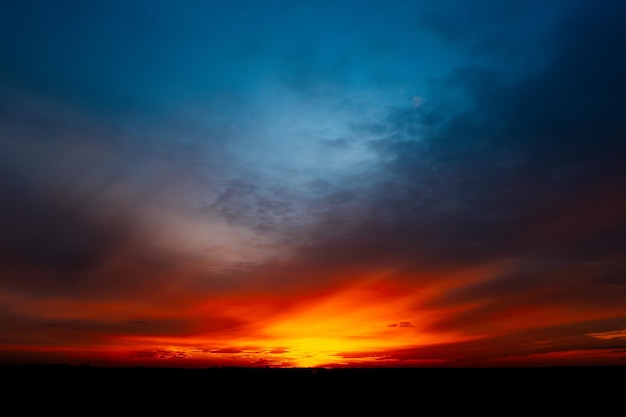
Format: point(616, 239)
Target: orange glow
point(359, 320)
point(590, 357)
point(355, 324)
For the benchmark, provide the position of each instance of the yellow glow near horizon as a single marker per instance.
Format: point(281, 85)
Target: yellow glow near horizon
point(356, 323)
point(366, 320)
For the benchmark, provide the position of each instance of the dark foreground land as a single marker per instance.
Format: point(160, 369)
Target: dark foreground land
point(505, 391)
point(537, 376)
point(497, 373)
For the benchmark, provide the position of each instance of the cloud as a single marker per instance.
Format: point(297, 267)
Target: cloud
point(401, 324)
point(417, 101)
point(473, 185)
point(616, 334)
point(159, 355)
point(228, 350)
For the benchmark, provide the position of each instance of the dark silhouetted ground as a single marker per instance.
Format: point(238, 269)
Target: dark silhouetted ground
point(503, 391)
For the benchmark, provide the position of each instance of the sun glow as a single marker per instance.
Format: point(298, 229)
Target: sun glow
point(356, 322)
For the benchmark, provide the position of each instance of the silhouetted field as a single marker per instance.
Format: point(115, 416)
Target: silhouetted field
point(581, 375)
point(451, 390)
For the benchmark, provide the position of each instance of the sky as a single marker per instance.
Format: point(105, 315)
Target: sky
point(313, 184)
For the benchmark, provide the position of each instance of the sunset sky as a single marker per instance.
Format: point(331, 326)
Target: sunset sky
point(323, 183)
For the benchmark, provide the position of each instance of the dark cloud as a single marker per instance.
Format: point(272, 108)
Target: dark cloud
point(28, 327)
point(401, 324)
point(228, 350)
point(523, 152)
point(159, 355)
